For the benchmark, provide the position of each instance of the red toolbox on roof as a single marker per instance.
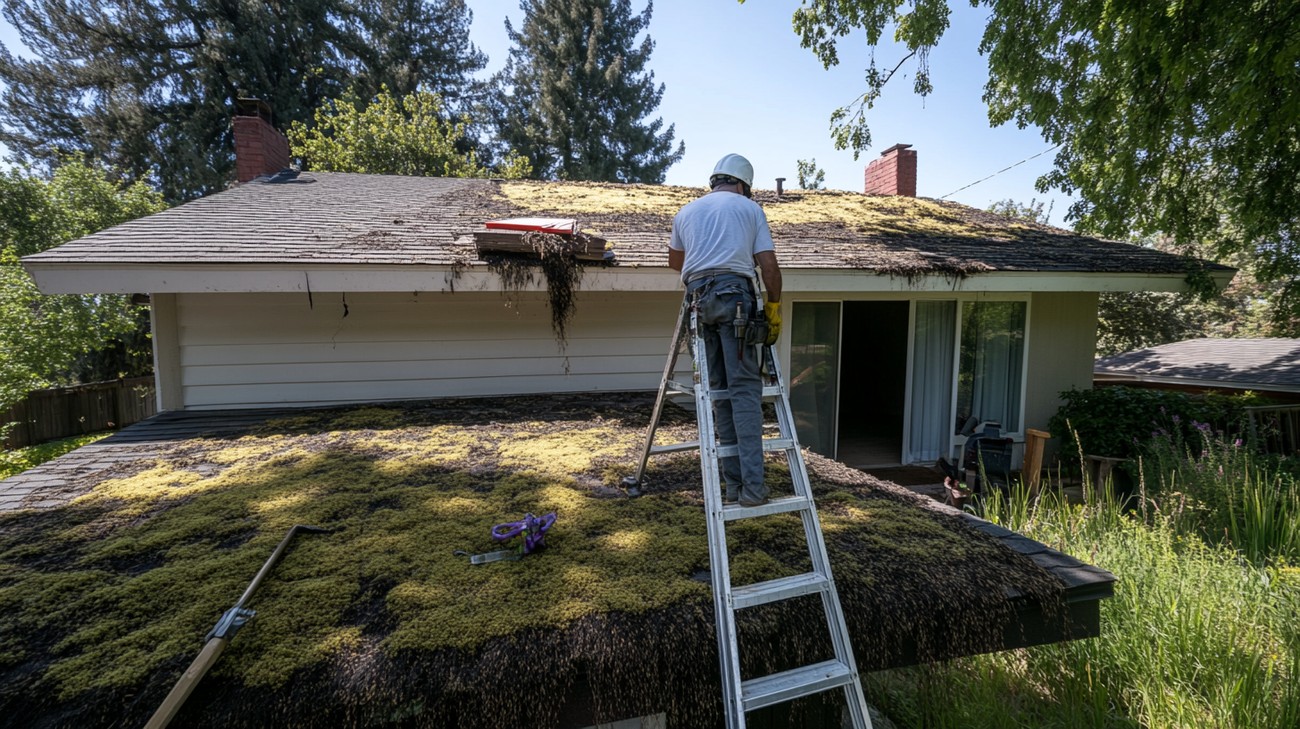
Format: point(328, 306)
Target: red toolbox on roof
point(560, 226)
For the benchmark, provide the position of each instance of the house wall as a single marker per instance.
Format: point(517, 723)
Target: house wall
point(1062, 346)
point(270, 349)
point(277, 349)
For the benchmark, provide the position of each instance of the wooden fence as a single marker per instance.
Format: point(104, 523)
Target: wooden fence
point(66, 411)
point(1276, 428)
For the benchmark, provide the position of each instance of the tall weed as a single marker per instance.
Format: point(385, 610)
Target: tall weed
point(1194, 636)
point(1225, 492)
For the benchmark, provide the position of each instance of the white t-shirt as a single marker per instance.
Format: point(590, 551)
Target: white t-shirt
point(720, 231)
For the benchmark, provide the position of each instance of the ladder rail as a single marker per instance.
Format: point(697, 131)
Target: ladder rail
point(855, 698)
point(669, 367)
point(719, 561)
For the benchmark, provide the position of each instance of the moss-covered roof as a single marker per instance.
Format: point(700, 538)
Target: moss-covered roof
point(336, 218)
point(107, 599)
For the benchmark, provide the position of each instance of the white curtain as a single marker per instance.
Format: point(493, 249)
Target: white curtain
point(932, 351)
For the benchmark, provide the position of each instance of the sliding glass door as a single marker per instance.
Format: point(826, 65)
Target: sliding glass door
point(815, 373)
point(966, 362)
point(991, 374)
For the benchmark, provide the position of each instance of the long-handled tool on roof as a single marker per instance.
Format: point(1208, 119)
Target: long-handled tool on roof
point(231, 621)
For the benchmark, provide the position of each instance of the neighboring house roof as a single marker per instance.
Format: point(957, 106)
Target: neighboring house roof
point(325, 219)
point(1245, 364)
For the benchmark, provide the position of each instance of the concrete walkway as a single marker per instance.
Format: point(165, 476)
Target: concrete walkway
point(126, 452)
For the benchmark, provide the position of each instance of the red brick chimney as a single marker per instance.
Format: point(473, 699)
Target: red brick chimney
point(259, 148)
point(894, 173)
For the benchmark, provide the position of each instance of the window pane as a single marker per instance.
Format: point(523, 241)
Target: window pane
point(992, 359)
point(814, 373)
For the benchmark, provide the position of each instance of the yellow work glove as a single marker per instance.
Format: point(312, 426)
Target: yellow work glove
point(772, 311)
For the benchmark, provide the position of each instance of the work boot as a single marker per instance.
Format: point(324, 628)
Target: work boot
point(751, 499)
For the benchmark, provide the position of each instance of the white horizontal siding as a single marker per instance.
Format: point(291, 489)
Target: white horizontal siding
point(201, 356)
point(257, 350)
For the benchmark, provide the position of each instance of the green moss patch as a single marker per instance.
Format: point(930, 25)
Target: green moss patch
point(381, 622)
point(795, 214)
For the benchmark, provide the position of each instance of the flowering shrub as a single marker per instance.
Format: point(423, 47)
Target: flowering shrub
point(1118, 421)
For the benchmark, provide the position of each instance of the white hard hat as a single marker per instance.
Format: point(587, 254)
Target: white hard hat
point(737, 167)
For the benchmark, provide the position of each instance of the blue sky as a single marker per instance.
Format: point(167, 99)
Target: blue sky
point(736, 80)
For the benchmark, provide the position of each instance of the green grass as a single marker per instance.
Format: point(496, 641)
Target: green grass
point(16, 461)
point(1203, 629)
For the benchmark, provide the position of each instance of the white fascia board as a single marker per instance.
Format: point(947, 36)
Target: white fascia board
point(111, 278)
point(181, 278)
point(800, 280)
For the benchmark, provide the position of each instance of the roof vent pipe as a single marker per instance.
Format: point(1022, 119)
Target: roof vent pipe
point(779, 188)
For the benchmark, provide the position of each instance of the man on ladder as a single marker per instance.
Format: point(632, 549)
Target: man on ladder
point(716, 242)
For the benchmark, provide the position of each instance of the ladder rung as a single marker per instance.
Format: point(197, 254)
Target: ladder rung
point(731, 512)
point(761, 593)
point(682, 387)
point(689, 445)
point(759, 692)
point(769, 391)
point(769, 444)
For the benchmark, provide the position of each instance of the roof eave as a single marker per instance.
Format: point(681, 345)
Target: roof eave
point(1120, 377)
point(91, 277)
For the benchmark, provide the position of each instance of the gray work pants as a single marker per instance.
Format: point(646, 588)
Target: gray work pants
point(733, 367)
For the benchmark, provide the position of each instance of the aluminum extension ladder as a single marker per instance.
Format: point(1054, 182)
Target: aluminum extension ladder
point(745, 696)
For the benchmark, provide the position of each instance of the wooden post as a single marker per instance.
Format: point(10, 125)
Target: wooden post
point(1099, 471)
point(1035, 440)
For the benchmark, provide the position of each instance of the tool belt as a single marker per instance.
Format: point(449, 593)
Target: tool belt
point(727, 297)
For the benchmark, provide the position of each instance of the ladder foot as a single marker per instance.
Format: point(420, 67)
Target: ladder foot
point(632, 486)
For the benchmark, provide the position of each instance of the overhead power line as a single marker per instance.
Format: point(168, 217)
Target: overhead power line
point(995, 174)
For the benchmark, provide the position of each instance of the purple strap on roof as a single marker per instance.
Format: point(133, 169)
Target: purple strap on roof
point(532, 527)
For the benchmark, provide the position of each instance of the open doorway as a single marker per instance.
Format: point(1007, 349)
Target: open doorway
point(873, 382)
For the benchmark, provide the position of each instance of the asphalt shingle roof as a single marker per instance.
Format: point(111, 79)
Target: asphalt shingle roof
point(1256, 363)
point(337, 218)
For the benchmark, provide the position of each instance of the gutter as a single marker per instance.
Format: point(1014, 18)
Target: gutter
point(90, 277)
point(1118, 377)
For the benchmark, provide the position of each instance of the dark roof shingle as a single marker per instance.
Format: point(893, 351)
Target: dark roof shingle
point(337, 218)
point(1253, 363)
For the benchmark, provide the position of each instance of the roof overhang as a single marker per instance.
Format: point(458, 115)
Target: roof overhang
point(1192, 382)
point(125, 278)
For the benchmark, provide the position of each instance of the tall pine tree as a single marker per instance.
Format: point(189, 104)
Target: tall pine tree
point(148, 87)
point(575, 93)
point(416, 45)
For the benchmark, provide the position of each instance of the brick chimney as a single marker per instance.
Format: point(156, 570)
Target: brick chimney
point(259, 148)
point(893, 174)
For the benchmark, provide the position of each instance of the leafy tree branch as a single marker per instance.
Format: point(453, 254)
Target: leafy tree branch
point(411, 135)
point(1179, 120)
point(53, 340)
